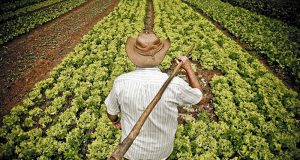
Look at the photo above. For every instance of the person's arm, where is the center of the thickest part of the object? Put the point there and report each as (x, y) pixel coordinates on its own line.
(112, 118)
(193, 80)
(113, 108)
(115, 120)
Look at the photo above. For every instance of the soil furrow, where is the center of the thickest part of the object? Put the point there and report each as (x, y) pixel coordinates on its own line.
(204, 76)
(149, 19)
(38, 51)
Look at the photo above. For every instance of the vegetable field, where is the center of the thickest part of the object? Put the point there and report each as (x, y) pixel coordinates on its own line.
(64, 116)
(15, 23)
(271, 38)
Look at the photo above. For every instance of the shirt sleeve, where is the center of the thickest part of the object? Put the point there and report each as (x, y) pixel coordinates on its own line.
(189, 95)
(111, 101)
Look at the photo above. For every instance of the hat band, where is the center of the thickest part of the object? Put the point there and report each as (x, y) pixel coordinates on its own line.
(150, 52)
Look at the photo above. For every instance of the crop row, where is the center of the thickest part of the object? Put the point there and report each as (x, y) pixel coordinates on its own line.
(284, 10)
(64, 116)
(10, 14)
(23, 24)
(12, 5)
(255, 109)
(271, 38)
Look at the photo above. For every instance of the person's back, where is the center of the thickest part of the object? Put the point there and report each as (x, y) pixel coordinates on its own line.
(131, 94)
(134, 91)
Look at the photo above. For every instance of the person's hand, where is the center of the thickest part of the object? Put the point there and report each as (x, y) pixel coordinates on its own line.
(186, 63)
(117, 125)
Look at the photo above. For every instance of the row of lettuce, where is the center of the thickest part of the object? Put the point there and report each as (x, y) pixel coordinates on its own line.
(24, 10)
(24, 23)
(12, 5)
(64, 116)
(271, 38)
(255, 109)
(287, 11)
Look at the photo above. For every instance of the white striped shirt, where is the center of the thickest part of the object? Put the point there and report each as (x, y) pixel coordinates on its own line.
(131, 94)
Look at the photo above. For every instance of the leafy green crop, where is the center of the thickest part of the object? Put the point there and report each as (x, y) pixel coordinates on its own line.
(255, 110)
(271, 38)
(64, 116)
(12, 5)
(287, 11)
(30, 8)
(24, 23)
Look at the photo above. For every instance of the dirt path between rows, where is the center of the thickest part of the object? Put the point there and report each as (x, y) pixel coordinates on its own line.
(204, 77)
(149, 18)
(28, 59)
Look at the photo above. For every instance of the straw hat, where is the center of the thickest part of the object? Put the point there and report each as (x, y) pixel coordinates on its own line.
(147, 50)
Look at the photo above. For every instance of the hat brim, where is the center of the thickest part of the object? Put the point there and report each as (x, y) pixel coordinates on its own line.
(146, 61)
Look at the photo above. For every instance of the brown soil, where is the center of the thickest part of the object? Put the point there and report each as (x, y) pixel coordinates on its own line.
(149, 19)
(28, 59)
(204, 76)
(286, 79)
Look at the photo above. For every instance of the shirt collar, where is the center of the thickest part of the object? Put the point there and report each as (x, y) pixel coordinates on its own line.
(147, 69)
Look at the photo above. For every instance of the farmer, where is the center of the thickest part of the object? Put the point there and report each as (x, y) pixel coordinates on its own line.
(133, 91)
